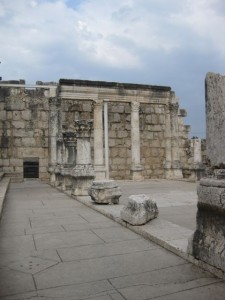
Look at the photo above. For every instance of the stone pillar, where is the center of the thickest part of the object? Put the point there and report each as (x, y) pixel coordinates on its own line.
(208, 242)
(175, 151)
(197, 151)
(98, 141)
(58, 168)
(54, 106)
(136, 168)
(168, 161)
(69, 139)
(83, 173)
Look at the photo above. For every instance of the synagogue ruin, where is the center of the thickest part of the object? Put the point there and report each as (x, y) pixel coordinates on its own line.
(59, 131)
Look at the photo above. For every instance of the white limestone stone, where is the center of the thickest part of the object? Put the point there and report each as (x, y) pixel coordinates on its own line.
(105, 192)
(139, 210)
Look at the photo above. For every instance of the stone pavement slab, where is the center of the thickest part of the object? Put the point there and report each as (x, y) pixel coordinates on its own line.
(69, 251)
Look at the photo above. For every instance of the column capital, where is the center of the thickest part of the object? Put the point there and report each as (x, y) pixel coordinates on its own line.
(97, 103)
(83, 128)
(135, 106)
(54, 102)
(69, 138)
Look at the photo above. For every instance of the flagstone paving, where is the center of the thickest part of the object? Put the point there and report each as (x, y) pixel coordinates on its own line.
(54, 247)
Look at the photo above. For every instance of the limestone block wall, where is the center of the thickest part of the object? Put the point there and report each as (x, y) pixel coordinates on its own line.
(23, 130)
(152, 133)
(152, 141)
(119, 140)
(25, 127)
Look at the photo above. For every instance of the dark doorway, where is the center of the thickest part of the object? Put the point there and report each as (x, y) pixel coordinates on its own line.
(31, 168)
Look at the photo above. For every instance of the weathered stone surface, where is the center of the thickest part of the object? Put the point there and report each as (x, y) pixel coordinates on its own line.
(105, 192)
(208, 241)
(215, 118)
(139, 210)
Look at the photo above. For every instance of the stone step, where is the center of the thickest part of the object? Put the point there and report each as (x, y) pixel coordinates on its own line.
(4, 184)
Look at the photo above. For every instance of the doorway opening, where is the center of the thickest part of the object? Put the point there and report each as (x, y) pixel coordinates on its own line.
(31, 167)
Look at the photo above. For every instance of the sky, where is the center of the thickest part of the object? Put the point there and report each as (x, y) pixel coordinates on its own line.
(158, 42)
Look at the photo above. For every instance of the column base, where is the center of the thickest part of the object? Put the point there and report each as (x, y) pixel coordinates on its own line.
(173, 174)
(100, 172)
(208, 241)
(82, 177)
(136, 173)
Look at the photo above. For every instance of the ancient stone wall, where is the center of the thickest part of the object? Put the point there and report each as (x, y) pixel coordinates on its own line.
(27, 132)
(24, 130)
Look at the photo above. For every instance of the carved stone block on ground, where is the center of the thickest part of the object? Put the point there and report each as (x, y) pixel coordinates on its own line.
(139, 210)
(105, 192)
(208, 241)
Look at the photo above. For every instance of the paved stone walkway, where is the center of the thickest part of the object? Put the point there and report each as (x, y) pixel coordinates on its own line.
(53, 247)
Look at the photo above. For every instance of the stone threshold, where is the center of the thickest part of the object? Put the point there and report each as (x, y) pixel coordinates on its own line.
(165, 234)
(4, 184)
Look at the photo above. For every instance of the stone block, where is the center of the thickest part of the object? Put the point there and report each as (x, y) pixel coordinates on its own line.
(116, 118)
(18, 124)
(26, 115)
(16, 162)
(122, 134)
(16, 115)
(3, 115)
(105, 192)
(139, 210)
(28, 142)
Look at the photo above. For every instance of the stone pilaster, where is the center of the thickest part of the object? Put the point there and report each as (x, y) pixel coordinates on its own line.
(83, 173)
(175, 151)
(136, 168)
(59, 165)
(54, 106)
(168, 161)
(70, 142)
(98, 141)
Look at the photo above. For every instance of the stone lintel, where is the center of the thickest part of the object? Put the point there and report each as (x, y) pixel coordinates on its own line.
(117, 85)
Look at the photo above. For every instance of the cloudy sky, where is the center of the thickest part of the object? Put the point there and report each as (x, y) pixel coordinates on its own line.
(158, 42)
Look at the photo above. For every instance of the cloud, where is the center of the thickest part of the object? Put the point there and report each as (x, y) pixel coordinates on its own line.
(164, 42)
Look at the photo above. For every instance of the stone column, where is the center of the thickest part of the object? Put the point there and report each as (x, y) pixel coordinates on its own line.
(197, 149)
(136, 168)
(54, 106)
(98, 141)
(208, 242)
(83, 173)
(175, 151)
(168, 161)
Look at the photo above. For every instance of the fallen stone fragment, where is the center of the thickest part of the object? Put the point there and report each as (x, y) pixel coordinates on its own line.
(139, 210)
(105, 192)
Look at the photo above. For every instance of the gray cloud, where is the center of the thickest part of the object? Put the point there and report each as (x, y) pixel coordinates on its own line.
(164, 42)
